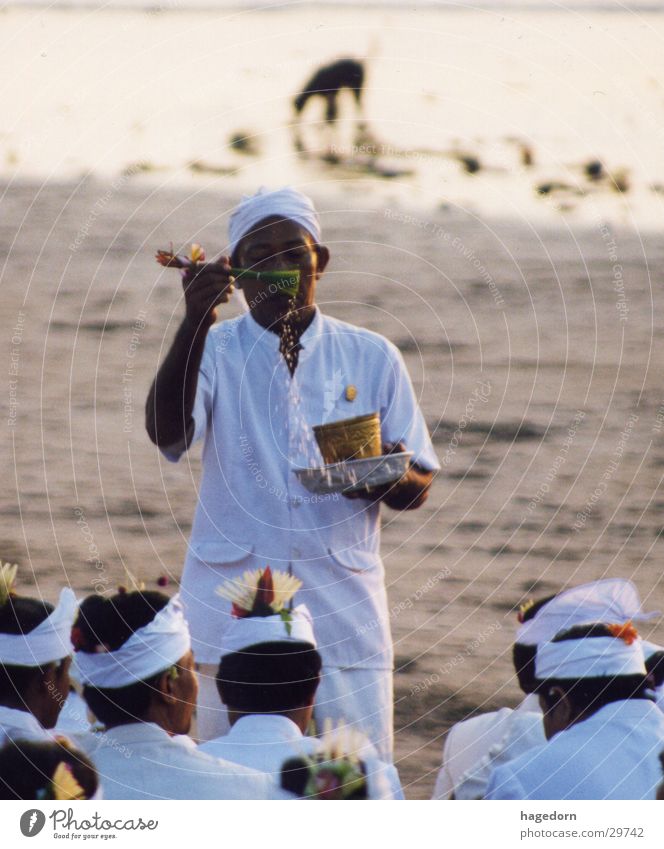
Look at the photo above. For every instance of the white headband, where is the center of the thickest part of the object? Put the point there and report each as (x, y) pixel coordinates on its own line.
(150, 649)
(589, 657)
(649, 649)
(285, 203)
(48, 642)
(609, 600)
(251, 630)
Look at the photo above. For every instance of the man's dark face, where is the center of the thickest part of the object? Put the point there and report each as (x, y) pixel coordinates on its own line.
(280, 245)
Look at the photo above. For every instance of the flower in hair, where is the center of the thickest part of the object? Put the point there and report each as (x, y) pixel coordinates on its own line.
(626, 632)
(260, 593)
(335, 772)
(524, 608)
(63, 786)
(7, 581)
(77, 638)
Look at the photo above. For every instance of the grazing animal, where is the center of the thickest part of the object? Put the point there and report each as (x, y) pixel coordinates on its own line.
(328, 81)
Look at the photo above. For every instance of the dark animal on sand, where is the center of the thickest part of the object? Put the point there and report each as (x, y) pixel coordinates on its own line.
(328, 81)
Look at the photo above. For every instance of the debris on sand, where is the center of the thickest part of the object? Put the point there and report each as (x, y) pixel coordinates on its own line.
(471, 164)
(196, 166)
(594, 170)
(244, 142)
(527, 156)
(619, 181)
(556, 186)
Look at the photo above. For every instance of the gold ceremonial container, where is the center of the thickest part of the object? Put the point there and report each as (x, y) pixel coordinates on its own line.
(349, 439)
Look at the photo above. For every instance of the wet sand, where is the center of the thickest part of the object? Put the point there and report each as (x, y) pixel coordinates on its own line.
(534, 352)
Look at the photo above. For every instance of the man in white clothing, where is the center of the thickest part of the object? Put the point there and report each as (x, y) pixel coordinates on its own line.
(475, 747)
(604, 733)
(35, 654)
(133, 655)
(254, 397)
(268, 677)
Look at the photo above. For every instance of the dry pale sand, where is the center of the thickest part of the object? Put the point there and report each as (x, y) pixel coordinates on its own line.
(540, 346)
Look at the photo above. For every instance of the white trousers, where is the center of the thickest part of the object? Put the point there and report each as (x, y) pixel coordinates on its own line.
(360, 697)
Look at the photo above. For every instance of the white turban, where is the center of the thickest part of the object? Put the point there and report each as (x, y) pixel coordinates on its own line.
(251, 630)
(48, 642)
(589, 657)
(149, 650)
(284, 203)
(649, 649)
(609, 600)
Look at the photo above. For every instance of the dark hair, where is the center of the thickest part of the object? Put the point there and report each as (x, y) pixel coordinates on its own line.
(110, 622)
(295, 775)
(523, 655)
(20, 615)
(269, 677)
(26, 768)
(588, 695)
(655, 667)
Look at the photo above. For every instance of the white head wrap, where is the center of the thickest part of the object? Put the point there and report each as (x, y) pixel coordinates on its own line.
(285, 203)
(649, 649)
(251, 630)
(149, 650)
(48, 642)
(589, 657)
(609, 600)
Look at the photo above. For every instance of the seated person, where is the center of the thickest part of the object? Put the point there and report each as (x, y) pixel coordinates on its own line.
(475, 747)
(46, 771)
(604, 733)
(35, 654)
(268, 677)
(133, 655)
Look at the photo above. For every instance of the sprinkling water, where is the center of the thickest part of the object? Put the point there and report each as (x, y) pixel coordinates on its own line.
(302, 445)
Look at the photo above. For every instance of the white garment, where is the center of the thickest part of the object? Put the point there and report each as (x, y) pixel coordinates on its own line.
(74, 716)
(252, 509)
(614, 754)
(21, 725)
(359, 697)
(468, 745)
(141, 761)
(265, 742)
(523, 730)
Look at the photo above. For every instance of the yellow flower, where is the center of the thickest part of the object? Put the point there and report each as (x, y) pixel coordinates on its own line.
(242, 591)
(65, 786)
(197, 254)
(7, 580)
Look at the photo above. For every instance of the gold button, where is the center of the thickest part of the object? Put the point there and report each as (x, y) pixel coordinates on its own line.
(351, 393)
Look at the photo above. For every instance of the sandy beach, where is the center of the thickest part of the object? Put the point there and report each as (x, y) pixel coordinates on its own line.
(531, 323)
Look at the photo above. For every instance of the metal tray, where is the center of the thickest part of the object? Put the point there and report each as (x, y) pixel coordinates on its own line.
(355, 474)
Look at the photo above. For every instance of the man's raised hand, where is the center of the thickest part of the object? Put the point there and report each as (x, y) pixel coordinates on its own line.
(206, 285)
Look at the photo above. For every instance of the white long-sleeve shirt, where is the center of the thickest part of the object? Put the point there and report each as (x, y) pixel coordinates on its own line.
(21, 725)
(264, 742)
(256, 423)
(474, 747)
(141, 761)
(614, 754)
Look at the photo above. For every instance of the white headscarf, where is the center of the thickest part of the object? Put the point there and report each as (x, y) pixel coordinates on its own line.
(285, 203)
(251, 630)
(48, 642)
(609, 600)
(149, 650)
(589, 657)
